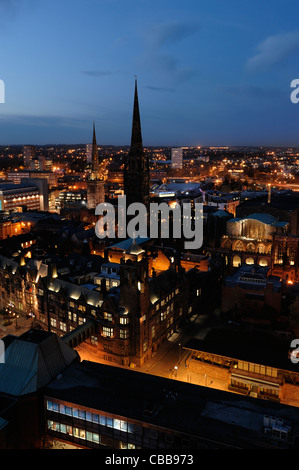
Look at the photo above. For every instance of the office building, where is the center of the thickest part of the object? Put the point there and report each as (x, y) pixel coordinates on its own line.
(28, 155)
(177, 158)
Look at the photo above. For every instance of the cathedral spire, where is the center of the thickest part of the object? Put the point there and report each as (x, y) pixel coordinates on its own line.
(136, 138)
(136, 170)
(95, 156)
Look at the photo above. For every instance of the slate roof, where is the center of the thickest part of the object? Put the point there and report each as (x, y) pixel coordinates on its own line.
(32, 361)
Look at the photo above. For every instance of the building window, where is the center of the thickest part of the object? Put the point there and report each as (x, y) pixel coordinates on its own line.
(124, 320)
(53, 322)
(108, 316)
(79, 433)
(62, 326)
(107, 331)
(93, 437)
(53, 425)
(236, 261)
(124, 334)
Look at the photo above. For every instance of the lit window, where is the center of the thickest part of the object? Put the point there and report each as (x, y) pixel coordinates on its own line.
(107, 316)
(123, 334)
(124, 320)
(107, 331)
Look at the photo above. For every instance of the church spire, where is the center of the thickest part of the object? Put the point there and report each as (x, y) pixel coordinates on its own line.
(95, 156)
(136, 138)
(136, 170)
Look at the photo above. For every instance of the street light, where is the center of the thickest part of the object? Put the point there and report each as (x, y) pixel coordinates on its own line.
(176, 370)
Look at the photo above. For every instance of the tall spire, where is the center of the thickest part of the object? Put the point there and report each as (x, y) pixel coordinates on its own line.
(136, 170)
(95, 156)
(136, 138)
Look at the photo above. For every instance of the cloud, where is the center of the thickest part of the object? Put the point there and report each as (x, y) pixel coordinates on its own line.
(171, 33)
(96, 73)
(273, 50)
(159, 55)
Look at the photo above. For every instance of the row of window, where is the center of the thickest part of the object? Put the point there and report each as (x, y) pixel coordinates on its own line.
(257, 368)
(92, 417)
(83, 434)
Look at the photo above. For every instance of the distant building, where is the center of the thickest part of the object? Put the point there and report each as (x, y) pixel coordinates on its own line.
(32, 195)
(17, 176)
(88, 153)
(252, 294)
(28, 155)
(177, 158)
(224, 202)
(95, 185)
(249, 239)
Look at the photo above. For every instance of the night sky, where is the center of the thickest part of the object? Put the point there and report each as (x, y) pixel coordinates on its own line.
(210, 72)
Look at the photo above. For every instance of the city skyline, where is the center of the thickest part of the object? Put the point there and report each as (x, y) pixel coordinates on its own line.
(208, 74)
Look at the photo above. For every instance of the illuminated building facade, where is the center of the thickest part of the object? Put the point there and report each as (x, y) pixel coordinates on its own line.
(249, 240)
(177, 158)
(14, 196)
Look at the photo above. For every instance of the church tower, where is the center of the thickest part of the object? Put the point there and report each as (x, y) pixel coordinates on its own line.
(136, 171)
(95, 185)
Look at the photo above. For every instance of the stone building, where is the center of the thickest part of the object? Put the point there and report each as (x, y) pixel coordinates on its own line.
(249, 240)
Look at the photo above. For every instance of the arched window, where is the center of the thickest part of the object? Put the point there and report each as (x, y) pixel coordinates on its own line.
(236, 261)
(249, 260)
(263, 262)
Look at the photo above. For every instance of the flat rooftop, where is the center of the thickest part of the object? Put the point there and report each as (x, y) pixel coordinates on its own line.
(258, 347)
(176, 405)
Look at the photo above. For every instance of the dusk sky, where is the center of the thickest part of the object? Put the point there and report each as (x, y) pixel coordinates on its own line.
(210, 72)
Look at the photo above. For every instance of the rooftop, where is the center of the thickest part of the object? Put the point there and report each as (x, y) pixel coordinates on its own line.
(258, 347)
(170, 404)
(32, 361)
